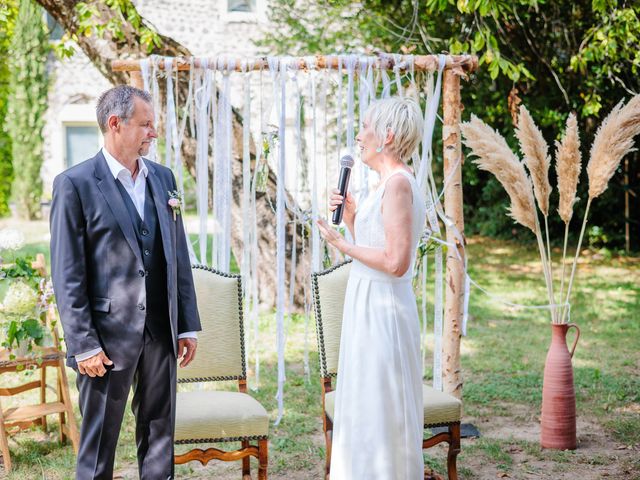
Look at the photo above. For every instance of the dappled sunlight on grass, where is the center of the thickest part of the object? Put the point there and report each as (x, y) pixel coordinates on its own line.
(468, 347)
(582, 362)
(510, 345)
(502, 360)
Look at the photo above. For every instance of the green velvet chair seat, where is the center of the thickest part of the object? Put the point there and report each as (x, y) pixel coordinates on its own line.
(216, 416)
(439, 408)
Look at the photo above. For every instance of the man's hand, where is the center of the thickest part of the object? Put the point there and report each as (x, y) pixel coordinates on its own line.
(187, 350)
(94, 366)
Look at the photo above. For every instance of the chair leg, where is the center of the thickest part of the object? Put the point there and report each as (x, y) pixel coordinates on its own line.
(61, 417)
(43, 394)
(4, 445)
(70, 419)
(246, 462)
(263, 458)
(454, 450)
(328, 438)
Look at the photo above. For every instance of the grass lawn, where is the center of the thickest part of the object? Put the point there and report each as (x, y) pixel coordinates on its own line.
(503, 360)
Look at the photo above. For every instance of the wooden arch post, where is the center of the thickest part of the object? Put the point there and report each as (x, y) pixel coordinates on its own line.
(135, 78)
(453, 202)
(456, 66)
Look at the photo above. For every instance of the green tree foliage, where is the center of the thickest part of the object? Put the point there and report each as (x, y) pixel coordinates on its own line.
(8, 12)
(27, 105)
(91, 21)
(556, 56)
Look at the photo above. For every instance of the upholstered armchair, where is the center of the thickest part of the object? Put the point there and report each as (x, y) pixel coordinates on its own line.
(210, 416)
(440, 409)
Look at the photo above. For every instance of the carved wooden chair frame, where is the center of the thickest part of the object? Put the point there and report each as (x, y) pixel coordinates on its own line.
(259, 449)
(451, 436)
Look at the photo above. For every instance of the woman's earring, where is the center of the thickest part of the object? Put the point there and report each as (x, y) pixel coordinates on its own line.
(379, 149)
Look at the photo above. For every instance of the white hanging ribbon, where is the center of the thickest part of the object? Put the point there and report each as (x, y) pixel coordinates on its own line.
(339, 119)
(339, 130)
(228, 180)
(173, 135)
(465, 304)
(292, 73)
(350, 62)
(246, 178)
(155, 94)
(219, 159)
(386, 84)
(431, 110)
(171, 127)
(315, 233)
(326, 78)
(397, 66)
(149, 81)
(254, 320)
(216, 148)
(192, 100)
(202, 101)
(245, 266)
(438, 321)
(222, 170)
(278, 68)
(173, 138)
(183, 124)
(144, 72)
(364, 92)
(412, 77)
(423, 310)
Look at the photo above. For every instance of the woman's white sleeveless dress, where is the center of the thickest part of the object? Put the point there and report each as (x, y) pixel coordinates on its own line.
(378, 420)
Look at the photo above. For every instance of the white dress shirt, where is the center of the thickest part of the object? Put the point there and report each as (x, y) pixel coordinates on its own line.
(137, 190)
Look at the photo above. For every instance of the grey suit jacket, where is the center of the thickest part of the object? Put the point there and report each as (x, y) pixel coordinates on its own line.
(96, 260)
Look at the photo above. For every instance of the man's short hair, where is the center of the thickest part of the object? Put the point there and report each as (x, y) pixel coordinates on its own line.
(118, 101)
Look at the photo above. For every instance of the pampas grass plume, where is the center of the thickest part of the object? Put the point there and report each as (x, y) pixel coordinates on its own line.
(568, 168)
(495, 156)
(536, 157)
(613, 141)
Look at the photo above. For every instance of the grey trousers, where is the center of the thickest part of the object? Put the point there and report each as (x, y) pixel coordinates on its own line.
(102, 404)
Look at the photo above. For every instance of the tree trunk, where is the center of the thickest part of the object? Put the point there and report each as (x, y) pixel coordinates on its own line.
(101, 51)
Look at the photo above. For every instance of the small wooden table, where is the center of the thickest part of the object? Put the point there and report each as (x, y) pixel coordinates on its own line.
(18, 418)
(24, 416)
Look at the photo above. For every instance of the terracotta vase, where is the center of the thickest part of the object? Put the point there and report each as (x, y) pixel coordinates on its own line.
(558, 429)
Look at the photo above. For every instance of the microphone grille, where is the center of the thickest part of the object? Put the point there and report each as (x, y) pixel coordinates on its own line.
(347, 161)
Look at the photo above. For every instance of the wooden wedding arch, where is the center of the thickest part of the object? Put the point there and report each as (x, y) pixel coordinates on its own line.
(455, 68)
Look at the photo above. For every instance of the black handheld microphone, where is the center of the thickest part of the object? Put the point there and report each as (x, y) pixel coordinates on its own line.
(346, 163)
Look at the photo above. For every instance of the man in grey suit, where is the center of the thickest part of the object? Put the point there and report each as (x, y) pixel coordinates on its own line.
(124, 289)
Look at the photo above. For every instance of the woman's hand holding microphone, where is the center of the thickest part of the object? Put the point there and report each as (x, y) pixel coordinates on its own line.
(348, 217)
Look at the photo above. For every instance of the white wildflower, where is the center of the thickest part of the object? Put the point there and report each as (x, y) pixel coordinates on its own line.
(20, 299)
(11, 239)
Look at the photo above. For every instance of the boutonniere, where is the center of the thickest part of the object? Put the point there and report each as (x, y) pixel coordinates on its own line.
(175, 202)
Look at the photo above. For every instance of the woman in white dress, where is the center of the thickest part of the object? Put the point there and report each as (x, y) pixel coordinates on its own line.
(378, 420)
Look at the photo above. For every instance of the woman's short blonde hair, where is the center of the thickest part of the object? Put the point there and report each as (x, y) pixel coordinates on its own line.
(400, 116)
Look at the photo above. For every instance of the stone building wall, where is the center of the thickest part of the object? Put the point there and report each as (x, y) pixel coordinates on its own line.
(203, 26)
(75, 88)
